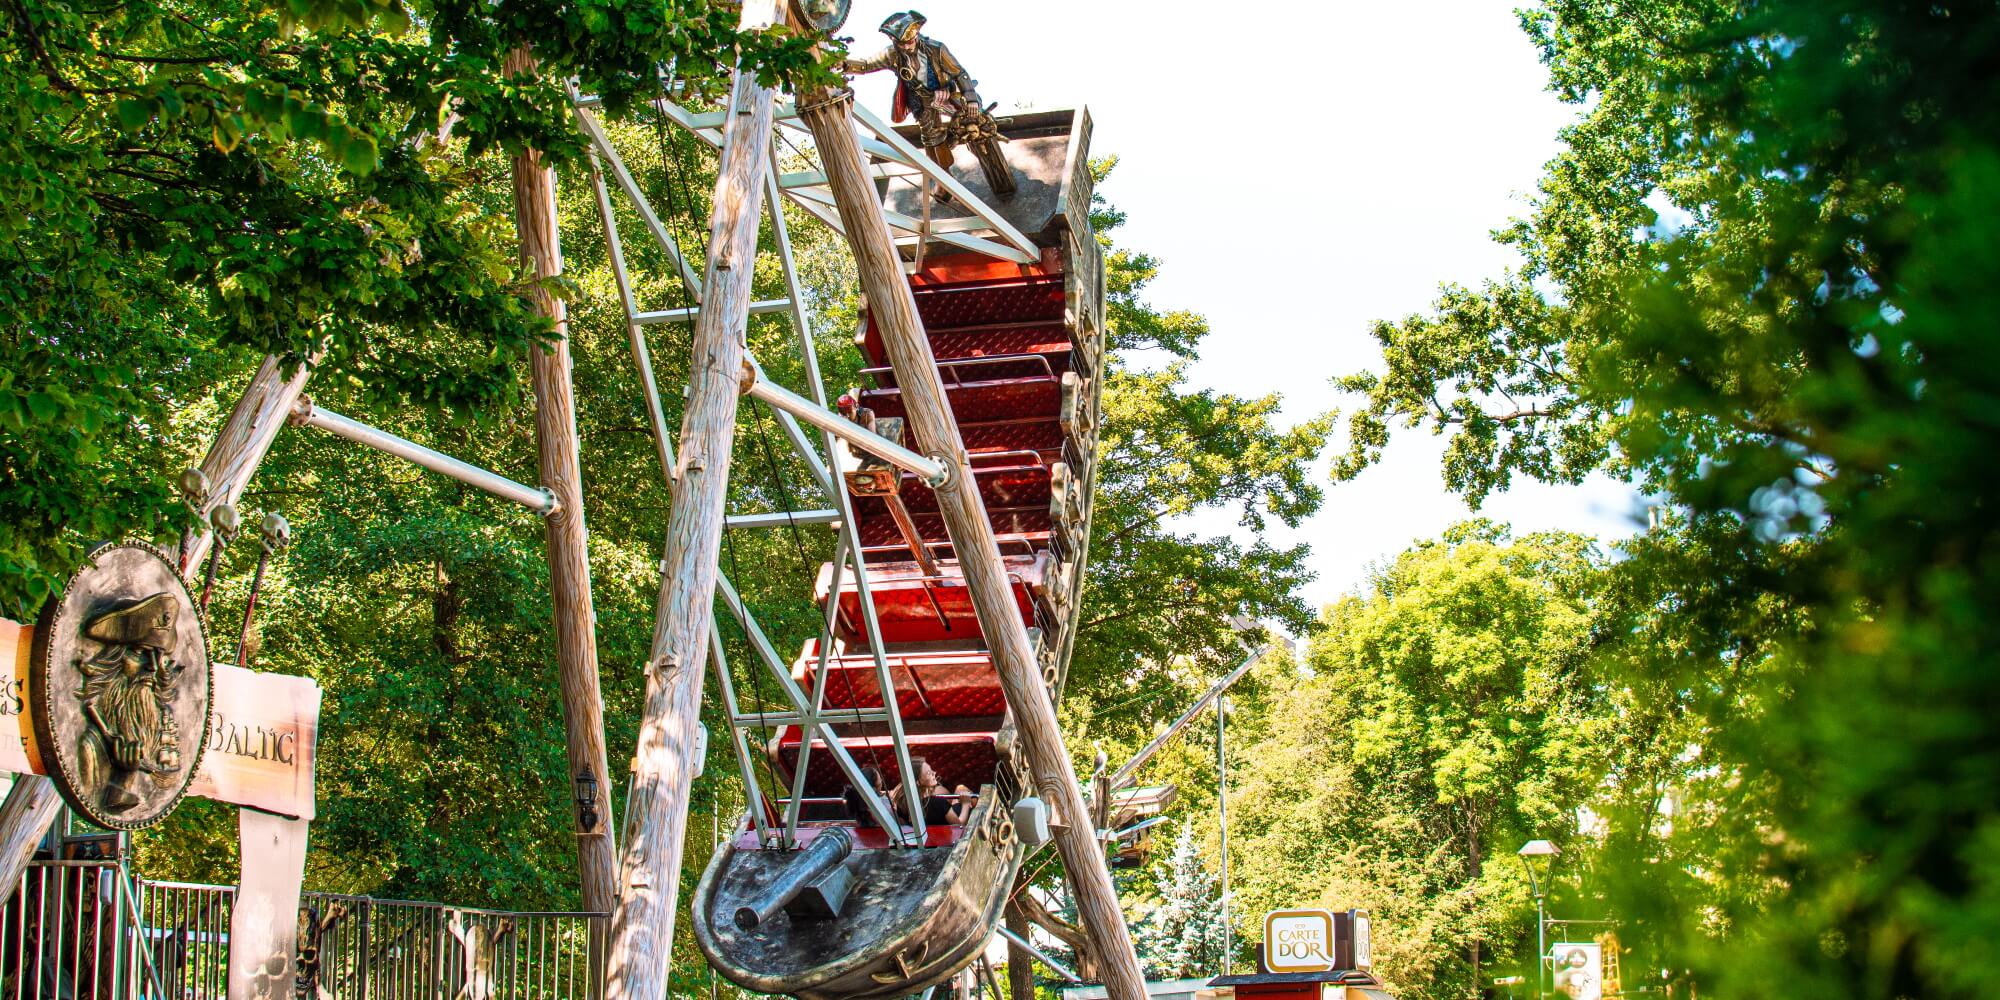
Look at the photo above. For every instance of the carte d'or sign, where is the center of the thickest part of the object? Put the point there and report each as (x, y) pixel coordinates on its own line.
(1298, 941)
(119, 687)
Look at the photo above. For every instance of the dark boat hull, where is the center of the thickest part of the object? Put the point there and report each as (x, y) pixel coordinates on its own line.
(915, 916)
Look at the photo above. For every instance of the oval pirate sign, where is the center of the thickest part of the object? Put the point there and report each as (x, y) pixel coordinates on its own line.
(120, 680)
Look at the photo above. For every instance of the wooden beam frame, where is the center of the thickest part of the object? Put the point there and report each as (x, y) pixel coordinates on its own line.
(930, 418)
(642, 923)
(560, 465)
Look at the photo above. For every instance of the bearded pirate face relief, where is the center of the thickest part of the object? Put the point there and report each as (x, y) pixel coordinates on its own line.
(122, 688)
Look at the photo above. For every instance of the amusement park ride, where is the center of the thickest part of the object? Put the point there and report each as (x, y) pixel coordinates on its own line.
(959, 485)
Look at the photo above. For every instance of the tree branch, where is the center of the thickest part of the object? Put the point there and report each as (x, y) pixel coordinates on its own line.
(41, 53)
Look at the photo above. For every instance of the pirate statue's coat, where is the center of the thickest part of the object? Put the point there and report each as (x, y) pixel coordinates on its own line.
(934, 85)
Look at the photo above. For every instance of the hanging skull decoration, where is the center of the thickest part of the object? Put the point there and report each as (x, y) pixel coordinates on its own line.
(122, 688)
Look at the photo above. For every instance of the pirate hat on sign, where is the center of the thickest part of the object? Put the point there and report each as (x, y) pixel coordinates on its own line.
(902, 26)
(148, 623)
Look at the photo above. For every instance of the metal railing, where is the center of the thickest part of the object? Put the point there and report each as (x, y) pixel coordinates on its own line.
(87, 929)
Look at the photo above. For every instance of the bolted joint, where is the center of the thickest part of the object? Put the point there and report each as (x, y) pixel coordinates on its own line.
(551, 504)
(947, 475)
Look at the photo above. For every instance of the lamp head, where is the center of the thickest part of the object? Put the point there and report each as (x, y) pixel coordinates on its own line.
(1538, 849)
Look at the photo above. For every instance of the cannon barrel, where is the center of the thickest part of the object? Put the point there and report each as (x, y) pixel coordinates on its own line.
(820, 858)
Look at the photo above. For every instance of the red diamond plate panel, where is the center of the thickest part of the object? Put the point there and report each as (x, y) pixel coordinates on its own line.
(959, 759)
(1000, 399)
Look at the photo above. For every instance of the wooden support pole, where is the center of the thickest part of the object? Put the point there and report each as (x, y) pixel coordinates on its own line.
(642, 924)
(242, 443)
(32, 803)
(1020, 964)
(568, 538)
(964, 515)
(31, 806)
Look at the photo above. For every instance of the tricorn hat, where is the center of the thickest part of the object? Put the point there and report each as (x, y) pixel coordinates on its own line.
(148, 623)
(903, 25)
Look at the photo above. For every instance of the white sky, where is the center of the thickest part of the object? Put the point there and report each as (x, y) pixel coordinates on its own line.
(1302, 168)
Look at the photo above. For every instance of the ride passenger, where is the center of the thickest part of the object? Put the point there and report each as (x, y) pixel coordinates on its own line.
(939, 809)
(857, 805)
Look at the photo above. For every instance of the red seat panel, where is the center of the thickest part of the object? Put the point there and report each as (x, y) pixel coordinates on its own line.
(913, 609)
(929, 685)
(991, 399)
(967, 759)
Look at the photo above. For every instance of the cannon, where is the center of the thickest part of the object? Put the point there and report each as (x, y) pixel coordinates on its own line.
(812, 884)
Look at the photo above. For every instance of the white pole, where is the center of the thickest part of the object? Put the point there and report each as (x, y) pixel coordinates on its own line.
(1222, 812)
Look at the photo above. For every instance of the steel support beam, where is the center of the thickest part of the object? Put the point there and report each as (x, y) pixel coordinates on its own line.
(930, 470)
(780, 519)
(536, 498)
(657, 317)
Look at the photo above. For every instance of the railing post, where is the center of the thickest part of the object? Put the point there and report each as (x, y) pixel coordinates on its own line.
(364, 965)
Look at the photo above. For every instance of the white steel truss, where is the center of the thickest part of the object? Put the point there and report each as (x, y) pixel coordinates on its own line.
(985, 231)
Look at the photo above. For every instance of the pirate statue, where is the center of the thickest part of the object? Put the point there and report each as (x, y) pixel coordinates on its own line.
(932, 83)
(128, 690)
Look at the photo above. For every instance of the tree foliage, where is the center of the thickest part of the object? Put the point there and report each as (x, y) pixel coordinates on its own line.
(1160, 602)
(1756, 283)
(1444, 716)
(1181, 936)
(192, 184)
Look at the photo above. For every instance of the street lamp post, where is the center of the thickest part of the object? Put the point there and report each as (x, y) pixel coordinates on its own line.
(1529, 852)
(1222, 821)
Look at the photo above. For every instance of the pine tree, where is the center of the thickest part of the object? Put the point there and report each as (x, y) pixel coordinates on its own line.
(1182, 936)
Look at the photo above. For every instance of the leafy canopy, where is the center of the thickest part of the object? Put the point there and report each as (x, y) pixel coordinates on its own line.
(188, 183)
(1757, 283)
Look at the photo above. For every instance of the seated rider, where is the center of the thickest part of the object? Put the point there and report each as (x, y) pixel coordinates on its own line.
(857, 807)
(939, 808)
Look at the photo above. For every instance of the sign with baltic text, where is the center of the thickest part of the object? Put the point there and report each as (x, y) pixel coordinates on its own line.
(261, 741)
(262, 732)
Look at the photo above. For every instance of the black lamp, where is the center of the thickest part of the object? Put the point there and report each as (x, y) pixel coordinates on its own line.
(586, 800)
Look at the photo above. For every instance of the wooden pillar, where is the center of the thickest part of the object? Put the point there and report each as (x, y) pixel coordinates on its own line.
(30, 807)
(242, 443)
(32, 803)
(1020, 964)
(568, 540)
(964, 515)
(642, 924)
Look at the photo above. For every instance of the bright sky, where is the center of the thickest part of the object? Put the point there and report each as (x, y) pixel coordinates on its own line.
(1302, 168)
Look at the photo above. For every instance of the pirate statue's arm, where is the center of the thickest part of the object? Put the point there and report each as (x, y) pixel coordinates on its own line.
(870, 64)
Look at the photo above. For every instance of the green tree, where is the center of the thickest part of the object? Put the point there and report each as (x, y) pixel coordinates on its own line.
(1445, 716)
(1181, 936)
(1756, 284)
(191, 185)
(1159, 603)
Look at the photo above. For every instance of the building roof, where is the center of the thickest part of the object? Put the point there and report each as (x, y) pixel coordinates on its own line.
(1345, 977)
(1154, 988)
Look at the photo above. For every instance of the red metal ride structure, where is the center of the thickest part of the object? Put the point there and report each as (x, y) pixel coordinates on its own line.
(1018, 346)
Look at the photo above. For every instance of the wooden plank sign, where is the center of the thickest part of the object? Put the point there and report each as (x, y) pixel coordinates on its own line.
(263, 730)
(17, 752)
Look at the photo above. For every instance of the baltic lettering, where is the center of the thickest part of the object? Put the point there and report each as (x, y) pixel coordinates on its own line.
(254, 742)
